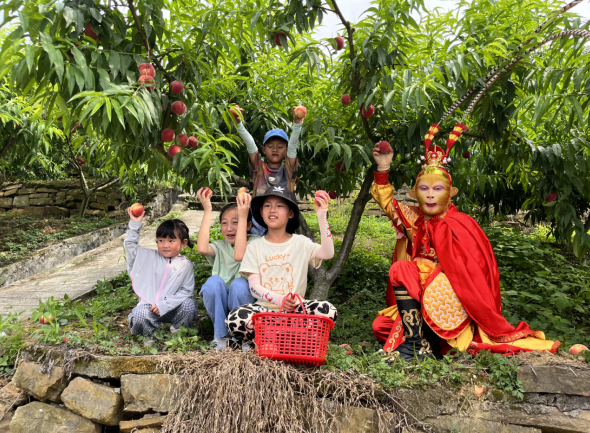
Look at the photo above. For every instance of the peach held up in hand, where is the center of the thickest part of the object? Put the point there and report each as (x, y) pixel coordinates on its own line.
(321, 200)
(136, 212)
(383, 154)
(236, 112)
(204, 195)
(299, 113)
(243, 200)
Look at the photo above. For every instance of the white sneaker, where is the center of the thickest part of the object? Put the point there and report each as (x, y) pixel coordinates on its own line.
(245, 347)
(219, 343)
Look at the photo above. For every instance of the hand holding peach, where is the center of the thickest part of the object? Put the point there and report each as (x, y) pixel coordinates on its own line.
(237, 112)
(204, 195)
(383, 160)
(321, 200)
(136, 212)
(299, 113)
(243, 200)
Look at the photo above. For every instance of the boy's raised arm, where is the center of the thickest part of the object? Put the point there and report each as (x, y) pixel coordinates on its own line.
(247, 138)
(243, 199)
(294, 138)
(203, 246)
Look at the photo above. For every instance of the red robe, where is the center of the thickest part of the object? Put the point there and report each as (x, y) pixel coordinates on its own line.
(467, 259)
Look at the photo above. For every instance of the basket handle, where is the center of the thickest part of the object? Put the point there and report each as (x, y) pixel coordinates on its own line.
(293, 295)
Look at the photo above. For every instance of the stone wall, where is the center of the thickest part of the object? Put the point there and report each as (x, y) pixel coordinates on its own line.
(161, 202)
(56, 198)
(130, 393)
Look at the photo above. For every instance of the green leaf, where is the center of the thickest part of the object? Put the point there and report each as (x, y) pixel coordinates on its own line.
(30, 51)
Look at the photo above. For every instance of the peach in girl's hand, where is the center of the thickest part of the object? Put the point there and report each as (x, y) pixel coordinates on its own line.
(319, 196)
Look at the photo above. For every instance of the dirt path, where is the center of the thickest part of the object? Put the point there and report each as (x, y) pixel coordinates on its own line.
(77, 277)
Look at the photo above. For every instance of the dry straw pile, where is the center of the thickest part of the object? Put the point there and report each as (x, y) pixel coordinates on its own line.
(230, 391)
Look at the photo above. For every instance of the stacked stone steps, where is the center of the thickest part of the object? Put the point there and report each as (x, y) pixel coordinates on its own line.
(125, 390)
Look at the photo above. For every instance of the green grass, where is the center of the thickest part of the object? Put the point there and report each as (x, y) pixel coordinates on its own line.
(23, 236)
(541, 284)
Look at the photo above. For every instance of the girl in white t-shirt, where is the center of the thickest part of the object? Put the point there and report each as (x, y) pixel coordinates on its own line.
(225, 289)
(276, 264)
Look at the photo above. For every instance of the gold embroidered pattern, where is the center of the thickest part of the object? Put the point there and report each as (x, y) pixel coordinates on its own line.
(403, 298)
(443, 305)
(412, 318)
(410, 213)
(425, 349)
(398, 330)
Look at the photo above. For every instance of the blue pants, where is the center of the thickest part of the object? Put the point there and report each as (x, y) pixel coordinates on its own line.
(219, 300)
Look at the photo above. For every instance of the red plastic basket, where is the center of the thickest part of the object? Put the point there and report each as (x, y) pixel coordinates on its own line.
(292, 337)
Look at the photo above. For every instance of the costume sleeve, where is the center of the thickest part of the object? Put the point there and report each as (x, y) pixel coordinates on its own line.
(247, 138)
(186, 290)
(326, 250)
(131, 243)
(382, 191)
(262, 294)
(294, 140)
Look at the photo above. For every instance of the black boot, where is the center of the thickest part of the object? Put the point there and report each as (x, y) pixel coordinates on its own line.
(416, 345)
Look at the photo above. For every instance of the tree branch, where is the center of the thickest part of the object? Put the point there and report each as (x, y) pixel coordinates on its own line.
(8, 143)
(146, 42)
(353, 224)
(355, 78)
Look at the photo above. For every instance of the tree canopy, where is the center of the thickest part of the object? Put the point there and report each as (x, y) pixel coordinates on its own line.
(73, 67)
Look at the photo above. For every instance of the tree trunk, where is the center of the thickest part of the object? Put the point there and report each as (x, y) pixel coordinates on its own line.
(323, 278)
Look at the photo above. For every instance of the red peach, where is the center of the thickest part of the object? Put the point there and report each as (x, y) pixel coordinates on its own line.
(577, 348)
(466, 154)
(332, 194)
(147, 69)
(137, 209)
(340, 166)
(64, 340)
(300, 111)
(173, 150)
(193, 142)
(551, 197)
(49, 319)
(236, 111)
(369, 112)
(89, 32)
(178, 107)
(148, 82)
(167, 135)
(339, 42)
(345, 99)
(384, 147)
(278, 38)
(183, 140)
(176, 87)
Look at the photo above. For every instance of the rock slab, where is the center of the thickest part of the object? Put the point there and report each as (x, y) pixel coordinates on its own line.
(447, 423)
(39, 417)
(555, 379)
(98, 403)
(148, 392)
(11, 397)
(42, 386)
(147, 422)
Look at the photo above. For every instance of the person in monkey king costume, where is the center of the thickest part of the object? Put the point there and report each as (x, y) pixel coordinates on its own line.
(444, 275)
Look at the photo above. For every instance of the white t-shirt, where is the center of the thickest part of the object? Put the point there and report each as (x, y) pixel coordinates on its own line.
(282, 267)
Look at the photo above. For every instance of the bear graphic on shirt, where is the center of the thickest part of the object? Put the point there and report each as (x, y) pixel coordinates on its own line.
(278, 278)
